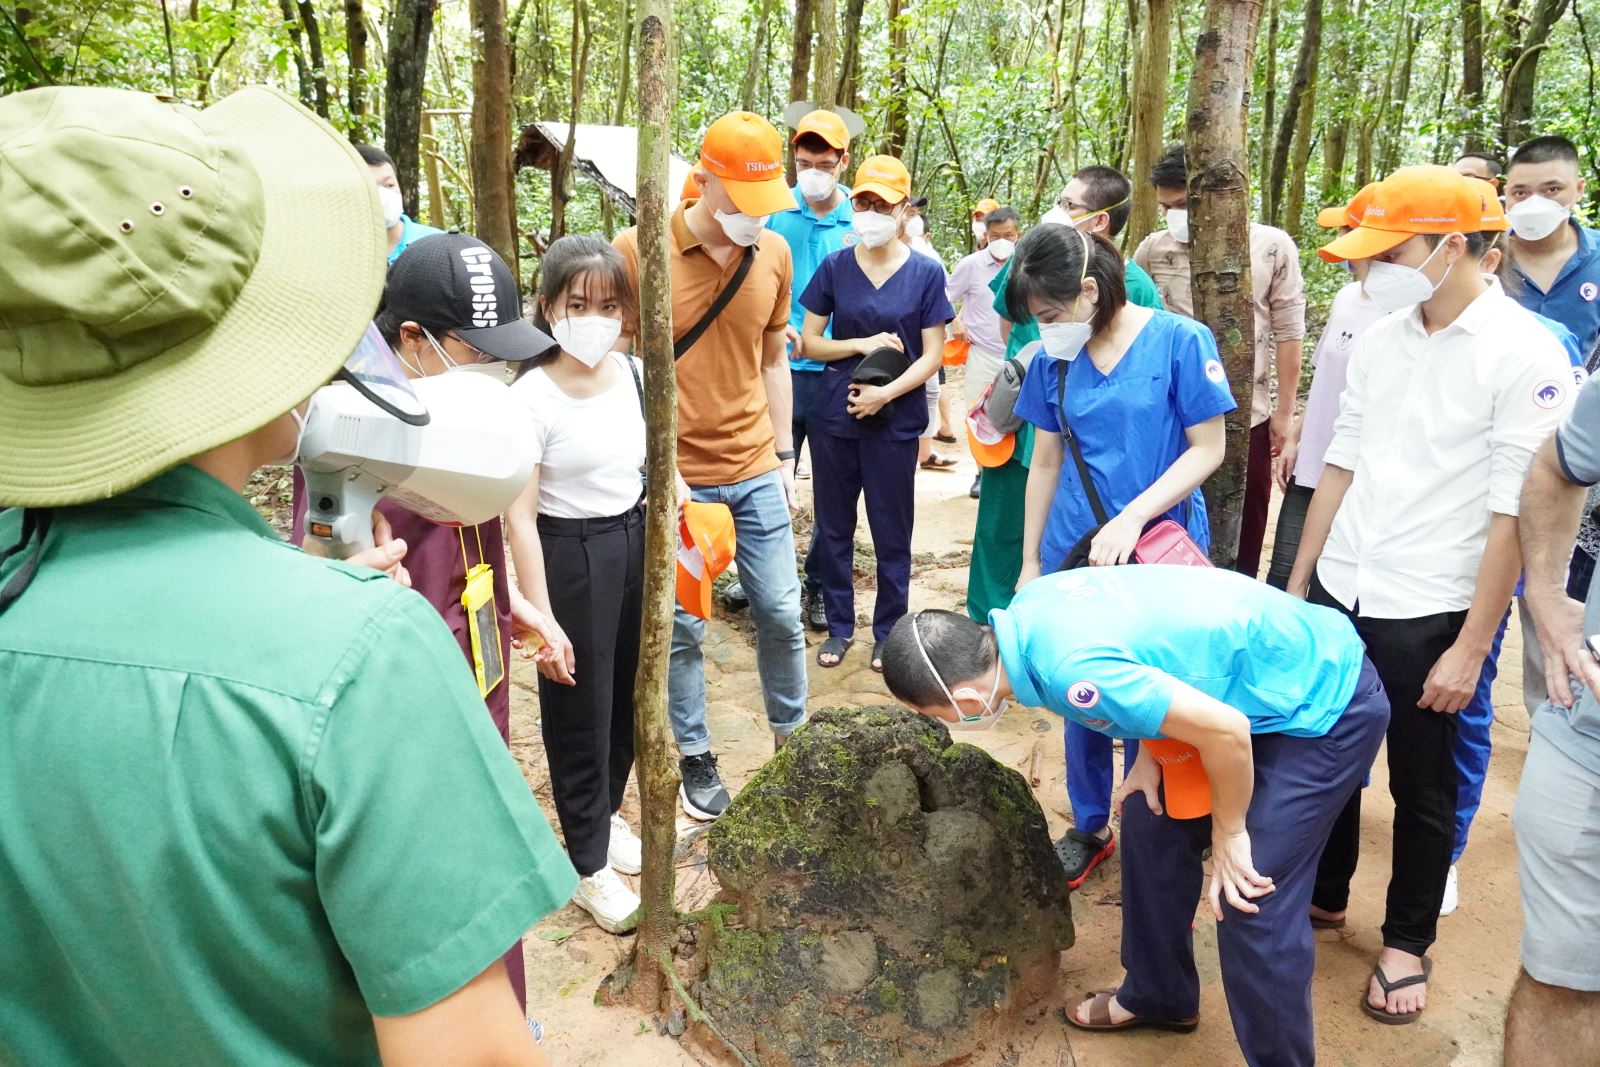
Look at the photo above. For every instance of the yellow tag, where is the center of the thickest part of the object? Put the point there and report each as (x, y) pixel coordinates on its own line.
(483, 624)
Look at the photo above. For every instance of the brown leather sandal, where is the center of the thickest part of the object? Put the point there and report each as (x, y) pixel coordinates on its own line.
(1100, 1018)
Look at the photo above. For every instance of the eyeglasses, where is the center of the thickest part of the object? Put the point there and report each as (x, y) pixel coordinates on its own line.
(478, 354)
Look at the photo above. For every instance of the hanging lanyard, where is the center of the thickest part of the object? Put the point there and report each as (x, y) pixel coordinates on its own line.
(483, 618)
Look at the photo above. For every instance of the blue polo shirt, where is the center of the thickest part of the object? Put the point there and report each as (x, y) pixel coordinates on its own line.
(411, 230)
(1102, 646)
(811, 240)
(1574, 298)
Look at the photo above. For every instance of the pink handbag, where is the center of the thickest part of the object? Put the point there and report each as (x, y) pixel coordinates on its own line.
(1167, 542)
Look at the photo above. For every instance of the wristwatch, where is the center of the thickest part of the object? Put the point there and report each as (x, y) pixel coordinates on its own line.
(786, 454)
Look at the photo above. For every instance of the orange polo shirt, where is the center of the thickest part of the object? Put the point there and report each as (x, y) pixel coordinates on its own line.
(724, 429)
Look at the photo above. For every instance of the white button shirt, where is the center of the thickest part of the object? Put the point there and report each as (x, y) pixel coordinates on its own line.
(1439, 431)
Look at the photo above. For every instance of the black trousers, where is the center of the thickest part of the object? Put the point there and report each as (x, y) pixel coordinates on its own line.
(1286, 542)
(595, 571)
(1422, 780)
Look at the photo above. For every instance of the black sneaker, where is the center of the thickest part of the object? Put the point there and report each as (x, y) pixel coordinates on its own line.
(701, 792)
(977, 485)
(812, 610)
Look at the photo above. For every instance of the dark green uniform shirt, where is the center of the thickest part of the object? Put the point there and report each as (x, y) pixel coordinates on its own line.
(248, 797)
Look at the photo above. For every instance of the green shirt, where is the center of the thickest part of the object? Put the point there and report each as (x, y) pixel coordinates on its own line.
(250, 797)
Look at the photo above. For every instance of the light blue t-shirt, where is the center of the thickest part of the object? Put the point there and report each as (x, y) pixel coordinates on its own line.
(1102, 645)
(1576, 730)
(411, 230)
(811, 240)
(1129, 424)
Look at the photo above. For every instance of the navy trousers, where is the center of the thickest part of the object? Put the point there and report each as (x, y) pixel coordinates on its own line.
(1089, 775)
(807, 385)
(842, 469)
(1301, 785)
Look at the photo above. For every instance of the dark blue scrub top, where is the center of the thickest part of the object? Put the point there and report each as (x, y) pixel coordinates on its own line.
(911, 300)
(1129, 424)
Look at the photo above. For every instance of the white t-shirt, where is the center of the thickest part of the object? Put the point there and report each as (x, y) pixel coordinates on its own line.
(589, 452)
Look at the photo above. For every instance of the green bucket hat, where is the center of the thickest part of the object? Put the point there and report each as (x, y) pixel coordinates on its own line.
(170, 279)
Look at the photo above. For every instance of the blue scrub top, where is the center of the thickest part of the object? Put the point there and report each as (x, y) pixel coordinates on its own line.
(1574, 298)
(1102, 645)
(908, 303)
(410, 230)
(811, 240)
(1129, 424)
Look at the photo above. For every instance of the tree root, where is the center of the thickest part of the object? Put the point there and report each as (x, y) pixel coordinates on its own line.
(696, 1013)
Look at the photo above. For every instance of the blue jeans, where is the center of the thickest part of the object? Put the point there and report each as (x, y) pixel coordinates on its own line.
(765, 554)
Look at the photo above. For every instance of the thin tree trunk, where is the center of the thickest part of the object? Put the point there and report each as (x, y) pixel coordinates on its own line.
(1294, 194)
(561, 176)
(800, 58)
(1394, 119)
(409, 32)
(619, 113)
(825, 62)
(1152, 73)
(1296, 112)
(319, 68)
(758, 52)
(1338, 104)
(1516, 107)
(894, 120)
(1041, 170)
(494, 203)
(658, 784)
(1219, 255)
(355, 37)
(850, 66)
(438, 206)
(1472, 74)
(1269, 105)
(291, 23)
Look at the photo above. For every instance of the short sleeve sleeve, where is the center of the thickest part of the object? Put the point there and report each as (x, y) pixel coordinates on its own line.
(424, 888)
(818, 297)
(1288, 295)
(936, 307)
(781, 303)
(1037, 401)
(1199, 381)
(1578, 439)
(1345, 448)
(1106, 689)
(627, 245)
(1141, 255)
(1532, 395)
(997, 285)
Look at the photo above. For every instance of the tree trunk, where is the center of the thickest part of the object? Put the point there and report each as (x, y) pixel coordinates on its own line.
(1338, 104)
(438, 206)
(1294, 195)
(619, 112)
(561, 176)
(1472, 74)
(355, 36)
(1296, 112)
(1394, 119)
(800, 58)
(658, 783)
(1219, 256)
(850, 66)
(1152, 73)
(825, 65)
(758, 52)
(1269, 106)
(493, 194)
(1516, 104)
(410, 28)
(319, 68)
(894, 112)
(291, 23)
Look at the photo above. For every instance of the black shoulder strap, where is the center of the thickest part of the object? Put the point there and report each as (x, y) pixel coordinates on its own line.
(1077, 453)
(35, 526)
(724, 298)
(638, 384)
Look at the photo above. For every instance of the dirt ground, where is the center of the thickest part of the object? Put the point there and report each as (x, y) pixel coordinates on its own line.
(1476, 956)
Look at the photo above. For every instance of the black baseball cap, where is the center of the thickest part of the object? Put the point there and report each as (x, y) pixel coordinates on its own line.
(918, 201)
(456, 281)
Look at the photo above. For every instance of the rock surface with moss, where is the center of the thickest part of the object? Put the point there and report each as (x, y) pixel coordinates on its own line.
(896, 896)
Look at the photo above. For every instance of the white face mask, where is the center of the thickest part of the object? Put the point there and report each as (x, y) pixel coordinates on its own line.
(742, 229)
(394, 204)
(1537, 217)
(992, 708)
(1393, 286)
(586, 338)
(1057, 216)
(1178, 225)
(915, 227)
(299, 435)
(1001, 248)
(875, 230)
(1064, 340)
(816, 185)
(978, 230)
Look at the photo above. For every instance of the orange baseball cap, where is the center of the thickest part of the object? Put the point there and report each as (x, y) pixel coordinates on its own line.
(1494, 212)
(705, 548)
(691, 188)
(826, 125)
(990, 447)
(1413, 200)
(985, 206)
(1350, 214)
(956, 351)
(746, 152)
(1184, 783)
(883, 176)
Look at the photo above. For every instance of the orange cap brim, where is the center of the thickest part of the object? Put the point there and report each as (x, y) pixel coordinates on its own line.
(766, 197)
(830, 136)
(694, 594)
(991, 455)
(1331, 218)
(890, 196)
(1363, 242)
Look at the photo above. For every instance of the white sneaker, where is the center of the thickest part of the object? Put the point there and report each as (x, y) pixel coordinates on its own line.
(1452, 893)
(625, 853)
(606, 897)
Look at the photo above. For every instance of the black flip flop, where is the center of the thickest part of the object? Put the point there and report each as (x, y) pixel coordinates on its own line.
(1388, 987)
(834, 646)
(1100, 1018)
(938, 463)
(948, 439)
